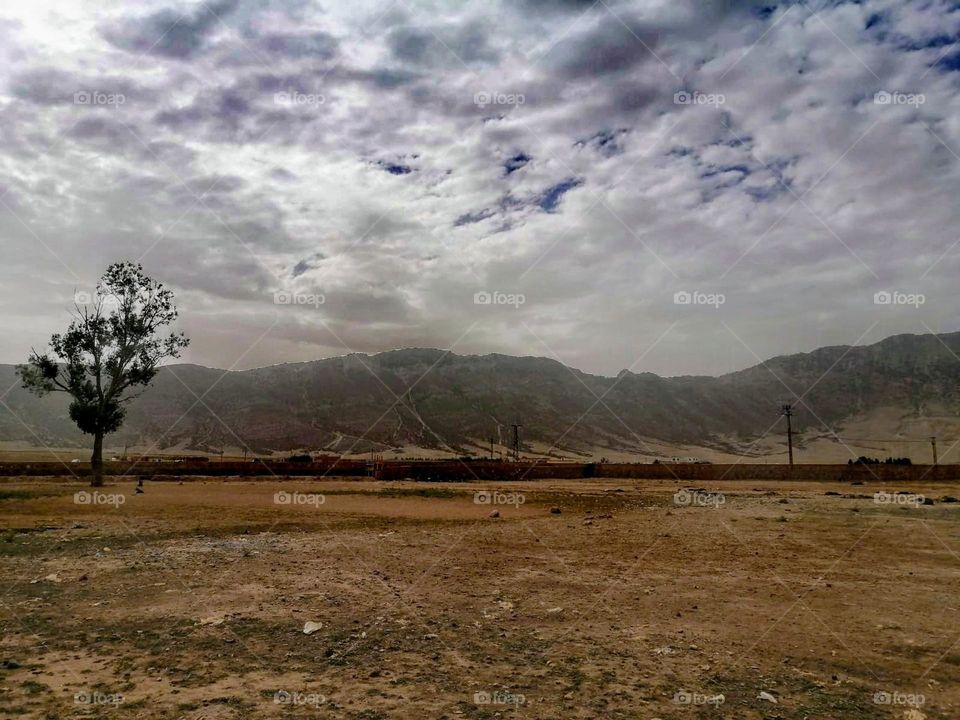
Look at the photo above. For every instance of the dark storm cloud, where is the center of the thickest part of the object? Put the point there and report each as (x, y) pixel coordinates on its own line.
(556, 5)
(611, 46)
(282, 174)
(104, 133)
(380, 78)
(306, 264)
(53, 86)
(474, 217)
(246, 111)
(317, 46)
(468, 43)
(170, 33)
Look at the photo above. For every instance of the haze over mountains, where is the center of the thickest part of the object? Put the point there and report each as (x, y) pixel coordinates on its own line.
(432, 399)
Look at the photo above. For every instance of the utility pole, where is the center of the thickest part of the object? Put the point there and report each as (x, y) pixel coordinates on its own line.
(787, 412)
(516, 441)
(933, 445)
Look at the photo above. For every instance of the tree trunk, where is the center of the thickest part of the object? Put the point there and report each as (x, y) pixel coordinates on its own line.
(96, 461)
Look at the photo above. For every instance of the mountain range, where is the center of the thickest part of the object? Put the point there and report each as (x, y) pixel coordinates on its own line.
(428, 399)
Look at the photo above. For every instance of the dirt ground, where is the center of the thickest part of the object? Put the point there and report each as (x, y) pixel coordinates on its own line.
(759, 601)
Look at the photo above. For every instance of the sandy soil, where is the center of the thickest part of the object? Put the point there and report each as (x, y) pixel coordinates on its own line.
(885, 432)
(189, 601)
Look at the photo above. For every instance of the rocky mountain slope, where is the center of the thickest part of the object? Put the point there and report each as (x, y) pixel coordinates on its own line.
(432, 399)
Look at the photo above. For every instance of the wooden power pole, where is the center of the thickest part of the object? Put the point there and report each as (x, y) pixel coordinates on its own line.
(516, 441)
(787, 412)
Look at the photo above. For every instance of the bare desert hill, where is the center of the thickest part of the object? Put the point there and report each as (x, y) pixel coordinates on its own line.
(883, 399)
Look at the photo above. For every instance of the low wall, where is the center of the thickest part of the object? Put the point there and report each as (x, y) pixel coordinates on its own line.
(454, 471)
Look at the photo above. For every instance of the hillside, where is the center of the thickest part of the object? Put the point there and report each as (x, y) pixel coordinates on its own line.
(426, 398)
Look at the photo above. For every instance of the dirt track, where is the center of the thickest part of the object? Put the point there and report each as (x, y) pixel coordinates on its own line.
(189, 601)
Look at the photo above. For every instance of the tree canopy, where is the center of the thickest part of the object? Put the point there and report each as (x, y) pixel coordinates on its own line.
(113, 346)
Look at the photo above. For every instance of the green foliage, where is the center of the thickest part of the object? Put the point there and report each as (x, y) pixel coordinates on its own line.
(112, 346)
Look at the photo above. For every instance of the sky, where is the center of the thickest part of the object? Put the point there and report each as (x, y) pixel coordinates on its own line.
(672, 186)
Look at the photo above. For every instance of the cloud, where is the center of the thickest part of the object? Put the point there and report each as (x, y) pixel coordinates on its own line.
(399, 160)
(430, 46)
(170, 33)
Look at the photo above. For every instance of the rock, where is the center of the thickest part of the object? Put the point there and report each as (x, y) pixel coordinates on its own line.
(310, 627)
(212, 620)
(430, 636)
(948, 499)
(554, 610)
(53, 577)
(767, 696)
(494, 514)
(928, 501)
(555, 510)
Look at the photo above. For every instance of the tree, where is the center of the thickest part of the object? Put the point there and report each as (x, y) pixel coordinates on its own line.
(112, 347)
